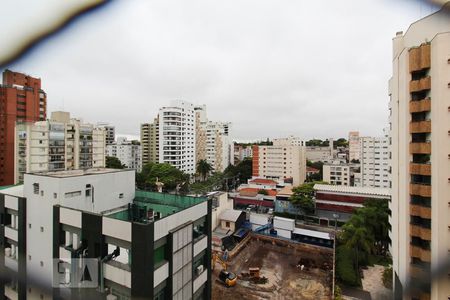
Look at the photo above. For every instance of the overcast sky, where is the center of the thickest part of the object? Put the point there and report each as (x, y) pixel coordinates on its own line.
(272, 68)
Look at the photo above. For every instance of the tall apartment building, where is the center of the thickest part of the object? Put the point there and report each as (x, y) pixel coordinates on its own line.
(110, 132)
(283, 160)
(128, 152)
(374, 162)
(177, 135)
(60, 143)
(420, 125)
(133, 244)
(242, 152)
(213, 141)
(150, 142)
(354, 150)
(21, 100)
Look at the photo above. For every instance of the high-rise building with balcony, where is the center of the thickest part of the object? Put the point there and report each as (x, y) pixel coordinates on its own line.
(420, 132)
(60, 143)
(21, 100)
(177, 135)
(213, 141)
(110, 131)
(150, 142)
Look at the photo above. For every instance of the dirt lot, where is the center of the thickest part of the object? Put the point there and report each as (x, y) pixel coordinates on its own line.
(279, 265)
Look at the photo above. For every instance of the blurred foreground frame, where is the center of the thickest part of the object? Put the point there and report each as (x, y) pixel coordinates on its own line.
(9, 55)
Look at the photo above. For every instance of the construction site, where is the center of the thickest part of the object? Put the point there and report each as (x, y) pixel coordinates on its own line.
(264, 267)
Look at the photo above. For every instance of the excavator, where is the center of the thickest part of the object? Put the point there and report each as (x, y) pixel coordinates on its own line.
(226, 277)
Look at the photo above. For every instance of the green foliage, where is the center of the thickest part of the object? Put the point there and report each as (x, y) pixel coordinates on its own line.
(341, 142)
(213, 183)
(316, 165)
(317, 143)
(204, 168)
(114, 163)
(263, 192)
(387, 277)
(337, 293)
(345, 269)
(243, 169)
(165, 173)
(302, 197)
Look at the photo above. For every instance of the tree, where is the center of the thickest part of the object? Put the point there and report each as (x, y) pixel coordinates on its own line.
(203, 168)
(114, 163)
(357, 237)
(341, 142)
(263, 192)
(165, 173)
(243, 169)
(302, 197)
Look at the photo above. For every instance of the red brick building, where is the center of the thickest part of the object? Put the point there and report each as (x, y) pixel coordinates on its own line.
(21, 100)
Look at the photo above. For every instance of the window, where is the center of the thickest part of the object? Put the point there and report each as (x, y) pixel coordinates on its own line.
(42, 229)
(227, 224)
(29, 225)
(72, 194)
(36, 188)
(29, 257)
(42, 193)
(42, 263)
(121, 195)
(55, 195)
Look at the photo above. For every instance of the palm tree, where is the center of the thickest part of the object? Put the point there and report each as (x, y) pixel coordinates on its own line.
(356, 236)
(203, 168)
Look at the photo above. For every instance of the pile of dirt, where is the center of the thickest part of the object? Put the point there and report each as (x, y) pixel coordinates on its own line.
(310, 289)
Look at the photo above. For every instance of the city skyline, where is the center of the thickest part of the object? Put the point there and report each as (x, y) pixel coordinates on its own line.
(230, 66)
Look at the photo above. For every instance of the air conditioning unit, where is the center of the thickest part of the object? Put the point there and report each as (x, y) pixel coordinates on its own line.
(199, 270)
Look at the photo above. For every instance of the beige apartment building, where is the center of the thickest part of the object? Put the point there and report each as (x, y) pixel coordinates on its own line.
(285, 159)
(60, 143)
(150, 142)
(420, 135)
(354, 147)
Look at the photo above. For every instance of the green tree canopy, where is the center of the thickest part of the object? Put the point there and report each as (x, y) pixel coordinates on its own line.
(113, 162)
(243, 169)
(165, 173)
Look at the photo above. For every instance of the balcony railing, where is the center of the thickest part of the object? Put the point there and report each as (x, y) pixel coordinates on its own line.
(419, 58)
(420, 169)
(420, 85)
(422, 254)
(420, 148)
(419, 231)
(420, 189)
(420, 106)
(420, 127)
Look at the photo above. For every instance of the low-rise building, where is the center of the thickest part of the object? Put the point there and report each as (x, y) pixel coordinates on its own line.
(338, 174)
(57, 224)
(232, 219)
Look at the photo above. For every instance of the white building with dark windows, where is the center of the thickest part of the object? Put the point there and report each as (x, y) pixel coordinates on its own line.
(177, 135)
(134, 244)
(128, 152)
(374, 161)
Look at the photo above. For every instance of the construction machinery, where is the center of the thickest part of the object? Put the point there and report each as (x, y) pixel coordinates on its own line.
(226, 277)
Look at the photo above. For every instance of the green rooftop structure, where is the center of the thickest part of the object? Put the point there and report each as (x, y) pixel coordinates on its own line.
(159, 205)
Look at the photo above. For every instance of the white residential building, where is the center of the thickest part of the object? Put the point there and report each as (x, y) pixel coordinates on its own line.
(128, 152)
(339, 174)
(284, 160)
(374, 161)
(60, 143)
(354, 150)
(177, 135)
(420, 122)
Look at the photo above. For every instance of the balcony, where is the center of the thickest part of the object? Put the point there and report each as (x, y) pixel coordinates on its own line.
(420, 106)
(420, 190)
(423, 84)
(419, 58)
(419, 231)
(418, 272)
(420, 148)
(420, 127)
(420, 169)
(422, 254)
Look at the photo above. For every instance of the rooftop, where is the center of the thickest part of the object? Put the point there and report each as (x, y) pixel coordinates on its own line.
(230, 215)
(75, 173)
(12, 190)
(263, 181)
(368, 191)
(252, 192)
(151, 203)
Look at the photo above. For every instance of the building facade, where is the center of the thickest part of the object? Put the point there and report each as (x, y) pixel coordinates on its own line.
(128, 152)
(374, 162)
(177, 136)
(150, 142)
(60, 143)
(420, 122)
(354, 150)
(339, 174)
(21, 100)
(110, 132)
(283, 160)
(143, 245)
